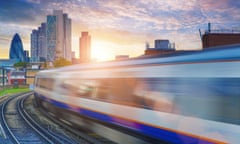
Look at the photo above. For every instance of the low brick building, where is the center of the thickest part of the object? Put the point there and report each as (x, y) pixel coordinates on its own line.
(16, 78)
(220, 39)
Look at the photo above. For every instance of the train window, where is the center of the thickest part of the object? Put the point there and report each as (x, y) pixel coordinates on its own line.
(144, 93)
(121, 91)
(46, 83)
(103, 87)
(79, 87)
(115, 90)
(209, 98)
(156, 94)
(66, 88)
(87, 88)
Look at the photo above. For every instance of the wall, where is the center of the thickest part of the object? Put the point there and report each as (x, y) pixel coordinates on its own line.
(219, 39)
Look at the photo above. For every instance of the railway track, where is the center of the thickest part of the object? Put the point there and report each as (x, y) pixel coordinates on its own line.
(21, 122)
(19, 127)
(2, 133)
(58, 125)
(83, 134)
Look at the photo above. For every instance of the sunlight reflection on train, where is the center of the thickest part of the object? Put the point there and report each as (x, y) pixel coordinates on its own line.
(180, 99)
(207, 98)
(193, 97)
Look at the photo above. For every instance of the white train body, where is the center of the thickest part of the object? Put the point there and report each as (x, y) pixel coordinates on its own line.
(192, 98)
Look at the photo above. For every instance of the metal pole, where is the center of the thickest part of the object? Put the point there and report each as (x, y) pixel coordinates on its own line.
(25, 76)
(209, 27)
(3, 76)
(1, 68)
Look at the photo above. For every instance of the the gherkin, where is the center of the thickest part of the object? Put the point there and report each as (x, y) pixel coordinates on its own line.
(16, 49)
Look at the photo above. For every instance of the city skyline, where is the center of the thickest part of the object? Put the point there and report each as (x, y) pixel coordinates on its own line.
(52, 39)
(120, 27)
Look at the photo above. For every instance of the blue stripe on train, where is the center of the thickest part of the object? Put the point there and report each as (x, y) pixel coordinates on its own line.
(161, 134)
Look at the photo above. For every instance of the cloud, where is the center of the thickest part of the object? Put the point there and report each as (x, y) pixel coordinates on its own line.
(154, 15)
(4, 38)
(10, 29)
(16, 11)
(124, 21)
(144, 15)
(34, 1)
(169, 5)
(222, 11)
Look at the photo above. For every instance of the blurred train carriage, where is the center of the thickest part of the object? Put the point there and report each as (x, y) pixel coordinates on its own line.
(183, 98)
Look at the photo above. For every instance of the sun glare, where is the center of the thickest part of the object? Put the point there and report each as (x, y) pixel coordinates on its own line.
(101, 51)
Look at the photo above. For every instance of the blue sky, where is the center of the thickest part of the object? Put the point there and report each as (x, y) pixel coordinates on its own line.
(121, 26)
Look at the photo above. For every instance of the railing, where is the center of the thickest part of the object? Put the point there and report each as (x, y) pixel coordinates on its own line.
(232, 31)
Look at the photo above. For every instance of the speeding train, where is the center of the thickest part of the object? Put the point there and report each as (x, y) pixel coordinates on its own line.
(180, 98)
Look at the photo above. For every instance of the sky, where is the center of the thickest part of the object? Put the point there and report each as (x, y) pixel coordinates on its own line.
(121, 27)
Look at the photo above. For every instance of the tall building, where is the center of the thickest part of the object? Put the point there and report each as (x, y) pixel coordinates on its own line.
(26, 55)
(85, 47)
(59, 33)
(67, 37)
(39, 44)
(42, 42)
(51, 37)
(63, 35)
(52, 40)
(16, 49)
(34, 46)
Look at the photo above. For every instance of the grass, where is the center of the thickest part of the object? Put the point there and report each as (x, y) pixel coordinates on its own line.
(10, 91)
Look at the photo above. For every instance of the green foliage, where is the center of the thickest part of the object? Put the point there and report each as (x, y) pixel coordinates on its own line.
(10, 91)
(20, 64)
(61, 62)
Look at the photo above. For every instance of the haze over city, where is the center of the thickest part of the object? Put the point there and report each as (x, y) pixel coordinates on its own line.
(120, 27)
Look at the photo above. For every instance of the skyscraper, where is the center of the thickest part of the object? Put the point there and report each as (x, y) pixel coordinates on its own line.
(59, 32)
(63, 35)
(26, 55)
(67, 37)
(52, 40)
(38, 44)
(42, 42)
(51, 37)
(85, 47)
(34, 46)
(16, 49)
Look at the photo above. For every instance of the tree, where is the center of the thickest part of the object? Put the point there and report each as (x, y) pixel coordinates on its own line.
(20, 64)
(61, 62)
